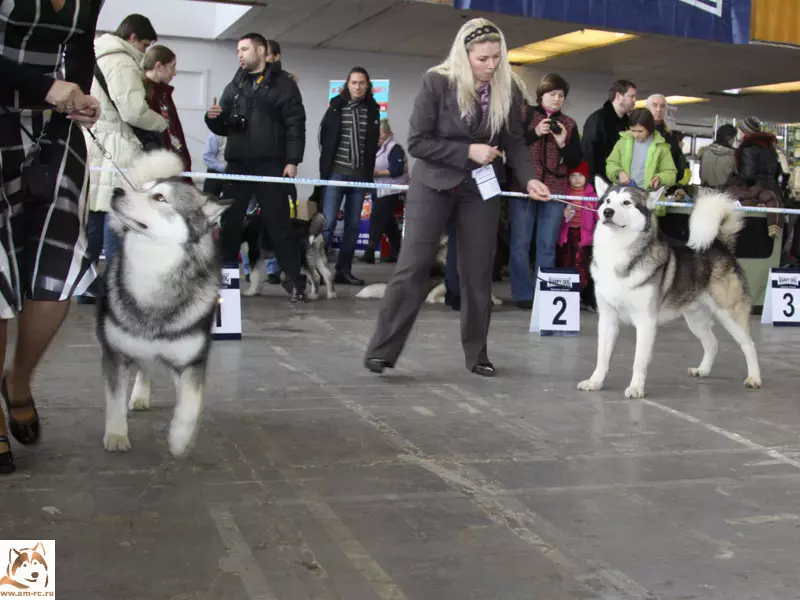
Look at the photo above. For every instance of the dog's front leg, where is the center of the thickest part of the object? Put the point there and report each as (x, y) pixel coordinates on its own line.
(186, 418)
(607, 330)
(645, 338)
(117, 374)
(140, 398)
(313, 279)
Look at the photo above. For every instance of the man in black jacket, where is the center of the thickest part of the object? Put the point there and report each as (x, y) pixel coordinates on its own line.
(348, 143)
(261, 112)
(602, 128)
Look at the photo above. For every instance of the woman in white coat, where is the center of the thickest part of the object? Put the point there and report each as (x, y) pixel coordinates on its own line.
(125, 105)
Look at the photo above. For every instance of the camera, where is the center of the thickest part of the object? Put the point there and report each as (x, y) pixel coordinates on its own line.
(555, 126)
(237, 122)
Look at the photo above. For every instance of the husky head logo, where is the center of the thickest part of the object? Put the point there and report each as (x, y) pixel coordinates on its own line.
(164, 208)
(27, 569)
(626, 207)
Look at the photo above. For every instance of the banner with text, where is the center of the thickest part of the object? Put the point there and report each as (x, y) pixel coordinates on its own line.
(725, 21)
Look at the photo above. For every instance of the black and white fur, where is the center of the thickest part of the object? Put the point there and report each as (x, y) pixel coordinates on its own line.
(162, 290)
(314, 259)
(646, 279)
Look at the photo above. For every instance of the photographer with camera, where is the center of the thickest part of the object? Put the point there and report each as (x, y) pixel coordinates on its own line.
(555, 147)
(261, 113)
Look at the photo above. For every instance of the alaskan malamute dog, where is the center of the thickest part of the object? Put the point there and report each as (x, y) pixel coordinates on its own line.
(314, 259)
(162, 291)
(644, 278)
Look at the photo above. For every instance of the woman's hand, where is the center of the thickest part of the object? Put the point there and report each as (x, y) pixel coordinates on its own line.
(66, 97)
(483, 154)
(88, 115)
(569, 212)
(654, 183)
(543, 128)
(537, 190)
(623, 178)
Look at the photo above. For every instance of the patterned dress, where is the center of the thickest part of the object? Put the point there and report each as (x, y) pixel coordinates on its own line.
(44, 249)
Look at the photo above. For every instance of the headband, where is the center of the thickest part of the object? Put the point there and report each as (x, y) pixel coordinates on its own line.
(480, 32)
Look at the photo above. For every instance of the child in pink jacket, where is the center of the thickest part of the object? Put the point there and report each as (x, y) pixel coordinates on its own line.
(575, 242)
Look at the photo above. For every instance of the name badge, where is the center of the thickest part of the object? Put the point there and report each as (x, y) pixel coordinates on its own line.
(487, 182)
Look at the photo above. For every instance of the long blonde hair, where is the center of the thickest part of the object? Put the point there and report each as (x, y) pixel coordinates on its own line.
(458, 70)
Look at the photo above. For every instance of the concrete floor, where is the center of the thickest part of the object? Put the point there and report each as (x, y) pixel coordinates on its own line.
(313, 479)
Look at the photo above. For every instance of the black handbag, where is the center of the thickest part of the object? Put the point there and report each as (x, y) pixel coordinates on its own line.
(150, 140)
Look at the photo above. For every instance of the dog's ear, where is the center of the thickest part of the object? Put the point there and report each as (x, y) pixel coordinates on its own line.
(13, 554)
(654, 196)
(214, 208)
(600, 186)
(39, 548)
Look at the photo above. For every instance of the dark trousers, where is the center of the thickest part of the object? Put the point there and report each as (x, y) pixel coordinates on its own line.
(427, 214)
(382, 221)
(214, 187)
(273, 198)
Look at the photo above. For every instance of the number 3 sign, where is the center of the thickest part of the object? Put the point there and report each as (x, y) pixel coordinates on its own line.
(557, 303)
(782, 298)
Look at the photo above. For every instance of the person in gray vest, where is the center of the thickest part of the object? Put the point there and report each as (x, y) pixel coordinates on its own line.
(390, 167)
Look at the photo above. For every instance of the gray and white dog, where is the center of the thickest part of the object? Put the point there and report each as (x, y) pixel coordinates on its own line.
(646, 279)
(162, 291)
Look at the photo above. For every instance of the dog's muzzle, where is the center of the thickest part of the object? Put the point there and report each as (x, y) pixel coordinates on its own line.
(117, 193)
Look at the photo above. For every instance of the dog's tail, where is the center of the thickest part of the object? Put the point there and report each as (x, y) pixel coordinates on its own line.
(316, 224)
(714, 217)
(372, 291)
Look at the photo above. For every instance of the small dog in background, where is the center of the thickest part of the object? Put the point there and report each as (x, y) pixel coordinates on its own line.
(645, 278)
(162, 292)
(314, 259)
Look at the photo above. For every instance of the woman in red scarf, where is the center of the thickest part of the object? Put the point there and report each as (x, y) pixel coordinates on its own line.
(160, 66)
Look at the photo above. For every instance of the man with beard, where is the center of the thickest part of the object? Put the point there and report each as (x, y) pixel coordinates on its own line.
(261, 113)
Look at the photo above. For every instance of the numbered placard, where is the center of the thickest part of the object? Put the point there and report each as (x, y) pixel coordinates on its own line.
(557, 303)
(782, 298)
(228, 318)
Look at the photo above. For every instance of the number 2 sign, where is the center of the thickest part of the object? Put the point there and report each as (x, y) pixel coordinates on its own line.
(557, 303)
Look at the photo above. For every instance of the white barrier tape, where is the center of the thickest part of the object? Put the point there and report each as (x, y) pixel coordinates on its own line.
(403, 188)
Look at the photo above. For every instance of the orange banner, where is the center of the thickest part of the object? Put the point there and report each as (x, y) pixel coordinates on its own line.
(776, 21)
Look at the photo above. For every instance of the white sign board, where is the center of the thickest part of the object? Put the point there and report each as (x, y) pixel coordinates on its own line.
(557, 303)
(228, 318)
(782, 298)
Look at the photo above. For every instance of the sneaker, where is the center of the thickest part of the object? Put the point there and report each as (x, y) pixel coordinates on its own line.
(299, 296)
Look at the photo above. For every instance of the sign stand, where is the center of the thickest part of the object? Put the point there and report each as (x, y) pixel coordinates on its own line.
(557, 303)
(228, 317)
(782, 298)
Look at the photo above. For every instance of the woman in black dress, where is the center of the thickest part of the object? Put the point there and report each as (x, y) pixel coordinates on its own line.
(46, 66)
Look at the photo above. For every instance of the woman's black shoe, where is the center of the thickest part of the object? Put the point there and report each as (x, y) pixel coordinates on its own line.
(377, 365)
(484, 370)
(7, 464)
(25, 433)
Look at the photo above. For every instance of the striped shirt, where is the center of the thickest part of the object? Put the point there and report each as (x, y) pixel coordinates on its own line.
(343, 156)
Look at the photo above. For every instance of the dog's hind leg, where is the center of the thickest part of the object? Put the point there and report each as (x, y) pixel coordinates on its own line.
(607, 331)
(140, 397)
(256, 277)
(186, 418)
(325, 272)
(313, 279)
(700, 322)
(737, 322)
(117, 371)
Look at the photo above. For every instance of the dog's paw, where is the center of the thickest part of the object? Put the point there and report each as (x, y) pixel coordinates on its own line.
(752, 383)
(590, 385)
(332, 296)
(181, 437)
(313, 295)
(251, 291)
(634, 391)
(115, 442)
(139, 402)
(698, 372)
(496, 301)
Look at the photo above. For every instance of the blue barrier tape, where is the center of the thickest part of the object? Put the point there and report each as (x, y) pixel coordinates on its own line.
(403, 188)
